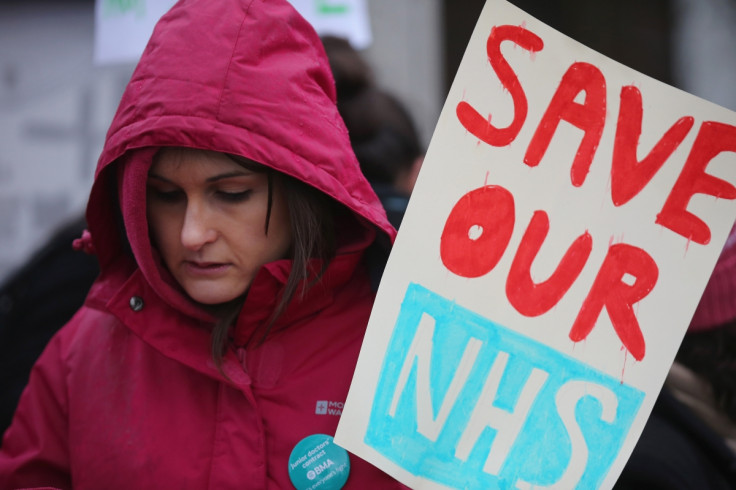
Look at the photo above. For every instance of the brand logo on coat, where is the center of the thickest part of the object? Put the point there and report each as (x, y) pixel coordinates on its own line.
(325, 407)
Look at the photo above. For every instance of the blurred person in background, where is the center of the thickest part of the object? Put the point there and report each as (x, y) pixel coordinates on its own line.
(382, 132)
(36, 301)
(689, 441)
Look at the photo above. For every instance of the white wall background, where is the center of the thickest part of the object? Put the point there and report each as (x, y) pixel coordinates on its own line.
(54, 108)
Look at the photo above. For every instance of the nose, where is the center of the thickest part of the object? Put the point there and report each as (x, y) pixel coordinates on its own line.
(198, 227)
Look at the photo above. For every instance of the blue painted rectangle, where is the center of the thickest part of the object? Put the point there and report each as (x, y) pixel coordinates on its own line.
(590, 429)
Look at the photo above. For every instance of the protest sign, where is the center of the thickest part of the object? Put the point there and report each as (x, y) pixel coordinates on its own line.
(565, 222)
(122, 27)
(348, 19)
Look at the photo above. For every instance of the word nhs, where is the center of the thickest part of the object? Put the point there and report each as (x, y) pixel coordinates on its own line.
(468, 403)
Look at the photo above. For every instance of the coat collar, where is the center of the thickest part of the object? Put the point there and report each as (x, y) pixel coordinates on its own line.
(173, 332)
(267, 289)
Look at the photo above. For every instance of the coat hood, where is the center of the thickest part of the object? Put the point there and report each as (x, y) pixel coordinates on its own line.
(244, 77)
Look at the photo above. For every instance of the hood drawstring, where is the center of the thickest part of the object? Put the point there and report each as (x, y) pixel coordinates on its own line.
(84, 243)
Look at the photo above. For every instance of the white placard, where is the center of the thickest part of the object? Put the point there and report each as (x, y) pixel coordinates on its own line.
(565, 222)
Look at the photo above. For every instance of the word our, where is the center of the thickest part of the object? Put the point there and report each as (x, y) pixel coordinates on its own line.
(626, 275)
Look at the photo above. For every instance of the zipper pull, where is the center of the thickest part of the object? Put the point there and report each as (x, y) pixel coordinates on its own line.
(241, 354)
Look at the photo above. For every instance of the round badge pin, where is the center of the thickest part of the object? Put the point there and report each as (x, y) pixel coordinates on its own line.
(317, 462)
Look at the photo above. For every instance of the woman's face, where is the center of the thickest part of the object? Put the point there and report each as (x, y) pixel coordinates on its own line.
(207, 217)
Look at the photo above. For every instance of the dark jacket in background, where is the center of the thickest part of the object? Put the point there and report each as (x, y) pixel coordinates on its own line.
(678, 451)
(35, 301)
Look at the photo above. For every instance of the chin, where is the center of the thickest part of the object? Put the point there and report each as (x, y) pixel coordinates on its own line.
(213, 298)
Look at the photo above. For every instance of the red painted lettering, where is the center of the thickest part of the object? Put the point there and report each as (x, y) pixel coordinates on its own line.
(611, 291)
(481, 126)
(533, 299)
(477, 231)
(712, 139)
(589, 116)
(628, 175)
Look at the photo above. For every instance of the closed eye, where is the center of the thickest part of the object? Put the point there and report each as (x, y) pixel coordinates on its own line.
(172, 196)
(234, 197)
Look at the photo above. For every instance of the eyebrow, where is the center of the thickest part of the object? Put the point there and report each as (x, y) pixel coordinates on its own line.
(214, 178)
(228, 175)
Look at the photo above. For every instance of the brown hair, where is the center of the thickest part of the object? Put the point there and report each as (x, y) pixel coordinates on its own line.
(311, 213)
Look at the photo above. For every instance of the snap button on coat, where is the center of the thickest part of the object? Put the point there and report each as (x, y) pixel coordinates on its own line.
(136, 303)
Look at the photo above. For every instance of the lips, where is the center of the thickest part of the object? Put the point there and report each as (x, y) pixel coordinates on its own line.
(206, 268)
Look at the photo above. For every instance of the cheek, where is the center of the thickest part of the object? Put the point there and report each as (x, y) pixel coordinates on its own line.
(282, 235)
(256, 247)
(284, 240)
(164, 232)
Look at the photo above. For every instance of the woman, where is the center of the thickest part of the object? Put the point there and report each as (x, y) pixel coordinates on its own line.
(233, 229)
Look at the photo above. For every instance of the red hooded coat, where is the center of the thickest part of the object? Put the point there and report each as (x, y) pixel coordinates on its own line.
(126, 395)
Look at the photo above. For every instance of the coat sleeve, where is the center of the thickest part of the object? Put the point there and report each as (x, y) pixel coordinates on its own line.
(35, 448)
